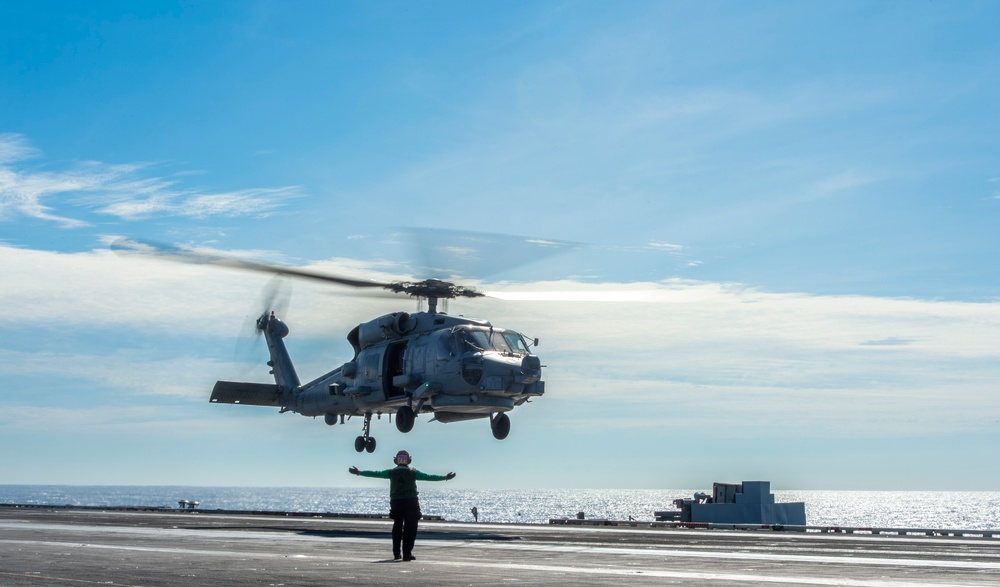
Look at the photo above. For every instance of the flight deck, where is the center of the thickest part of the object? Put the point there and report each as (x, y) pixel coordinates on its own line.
(43, 547)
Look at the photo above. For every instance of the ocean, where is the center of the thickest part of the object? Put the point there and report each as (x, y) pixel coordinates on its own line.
(967, 510)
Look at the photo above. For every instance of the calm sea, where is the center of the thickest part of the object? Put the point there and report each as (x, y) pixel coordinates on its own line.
(973, 510)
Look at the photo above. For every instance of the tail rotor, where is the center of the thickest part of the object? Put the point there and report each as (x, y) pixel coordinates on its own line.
(275, 298)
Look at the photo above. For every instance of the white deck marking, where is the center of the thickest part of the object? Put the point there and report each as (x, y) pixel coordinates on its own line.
(658, 552)
(759, 556)
(532, 568)
(735, 577)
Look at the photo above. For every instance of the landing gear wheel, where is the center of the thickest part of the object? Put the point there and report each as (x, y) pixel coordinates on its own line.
(405, 419)
(365, 441)
(500, 425)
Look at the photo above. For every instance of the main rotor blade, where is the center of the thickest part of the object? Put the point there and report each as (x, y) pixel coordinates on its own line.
(582, 295)
(196, 257)
(447, 253)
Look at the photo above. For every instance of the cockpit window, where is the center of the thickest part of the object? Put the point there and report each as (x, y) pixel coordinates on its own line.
(475, 340)
(500, 343)
(516, 342)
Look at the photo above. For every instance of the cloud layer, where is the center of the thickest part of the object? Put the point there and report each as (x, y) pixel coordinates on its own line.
(688, 354)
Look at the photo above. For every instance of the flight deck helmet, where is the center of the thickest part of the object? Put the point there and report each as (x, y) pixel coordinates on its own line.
(402, 458)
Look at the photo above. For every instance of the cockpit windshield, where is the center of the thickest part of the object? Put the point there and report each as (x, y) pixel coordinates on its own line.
(516, 342)
(504, 341)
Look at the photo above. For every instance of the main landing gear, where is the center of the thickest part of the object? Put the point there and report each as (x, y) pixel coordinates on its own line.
(405, 418)
(365, 442)
(500, 423)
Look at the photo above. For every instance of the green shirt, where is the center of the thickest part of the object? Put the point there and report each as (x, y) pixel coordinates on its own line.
(402, 480)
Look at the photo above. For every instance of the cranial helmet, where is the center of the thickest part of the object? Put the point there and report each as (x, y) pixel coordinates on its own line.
(402, 458)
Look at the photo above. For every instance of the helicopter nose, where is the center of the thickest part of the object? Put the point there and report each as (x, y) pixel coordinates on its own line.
(531, 370)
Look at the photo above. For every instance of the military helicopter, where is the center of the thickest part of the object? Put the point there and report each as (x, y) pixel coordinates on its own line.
(404, 364)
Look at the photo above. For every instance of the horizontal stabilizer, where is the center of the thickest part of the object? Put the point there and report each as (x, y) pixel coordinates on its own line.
(251, 394)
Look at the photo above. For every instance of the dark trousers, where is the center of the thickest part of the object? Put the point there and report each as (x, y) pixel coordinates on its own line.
(405, 514)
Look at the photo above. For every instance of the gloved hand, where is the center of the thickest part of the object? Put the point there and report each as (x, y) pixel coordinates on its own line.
(449, 476)
(354, 471)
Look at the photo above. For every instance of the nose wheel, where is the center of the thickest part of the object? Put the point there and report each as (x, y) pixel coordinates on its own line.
(365, 442)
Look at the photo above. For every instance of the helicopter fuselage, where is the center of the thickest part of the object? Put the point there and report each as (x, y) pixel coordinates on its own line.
(405, 364)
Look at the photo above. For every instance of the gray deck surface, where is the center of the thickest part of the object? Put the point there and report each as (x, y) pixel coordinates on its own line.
(49, 547)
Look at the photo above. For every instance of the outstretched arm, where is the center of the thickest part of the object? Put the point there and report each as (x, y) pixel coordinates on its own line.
(421, 476)
(378, 474)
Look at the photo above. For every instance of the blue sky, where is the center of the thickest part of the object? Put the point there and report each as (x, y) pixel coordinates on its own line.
(800, 202)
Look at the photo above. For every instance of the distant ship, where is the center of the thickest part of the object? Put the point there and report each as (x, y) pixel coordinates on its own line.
(750, 502)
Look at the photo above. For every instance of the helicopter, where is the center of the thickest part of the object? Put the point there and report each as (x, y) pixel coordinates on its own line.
(405, 364)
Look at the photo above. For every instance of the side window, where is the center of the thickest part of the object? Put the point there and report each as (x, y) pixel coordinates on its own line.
(476, 341)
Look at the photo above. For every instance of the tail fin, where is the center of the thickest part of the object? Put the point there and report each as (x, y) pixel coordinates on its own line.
(281, 364)
(286, 382)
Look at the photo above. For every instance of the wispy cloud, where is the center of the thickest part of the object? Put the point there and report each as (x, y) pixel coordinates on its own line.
(668, 247)
(126, 191)
(14, 147)
(838, 184)
(168, 202)
(891, 341)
